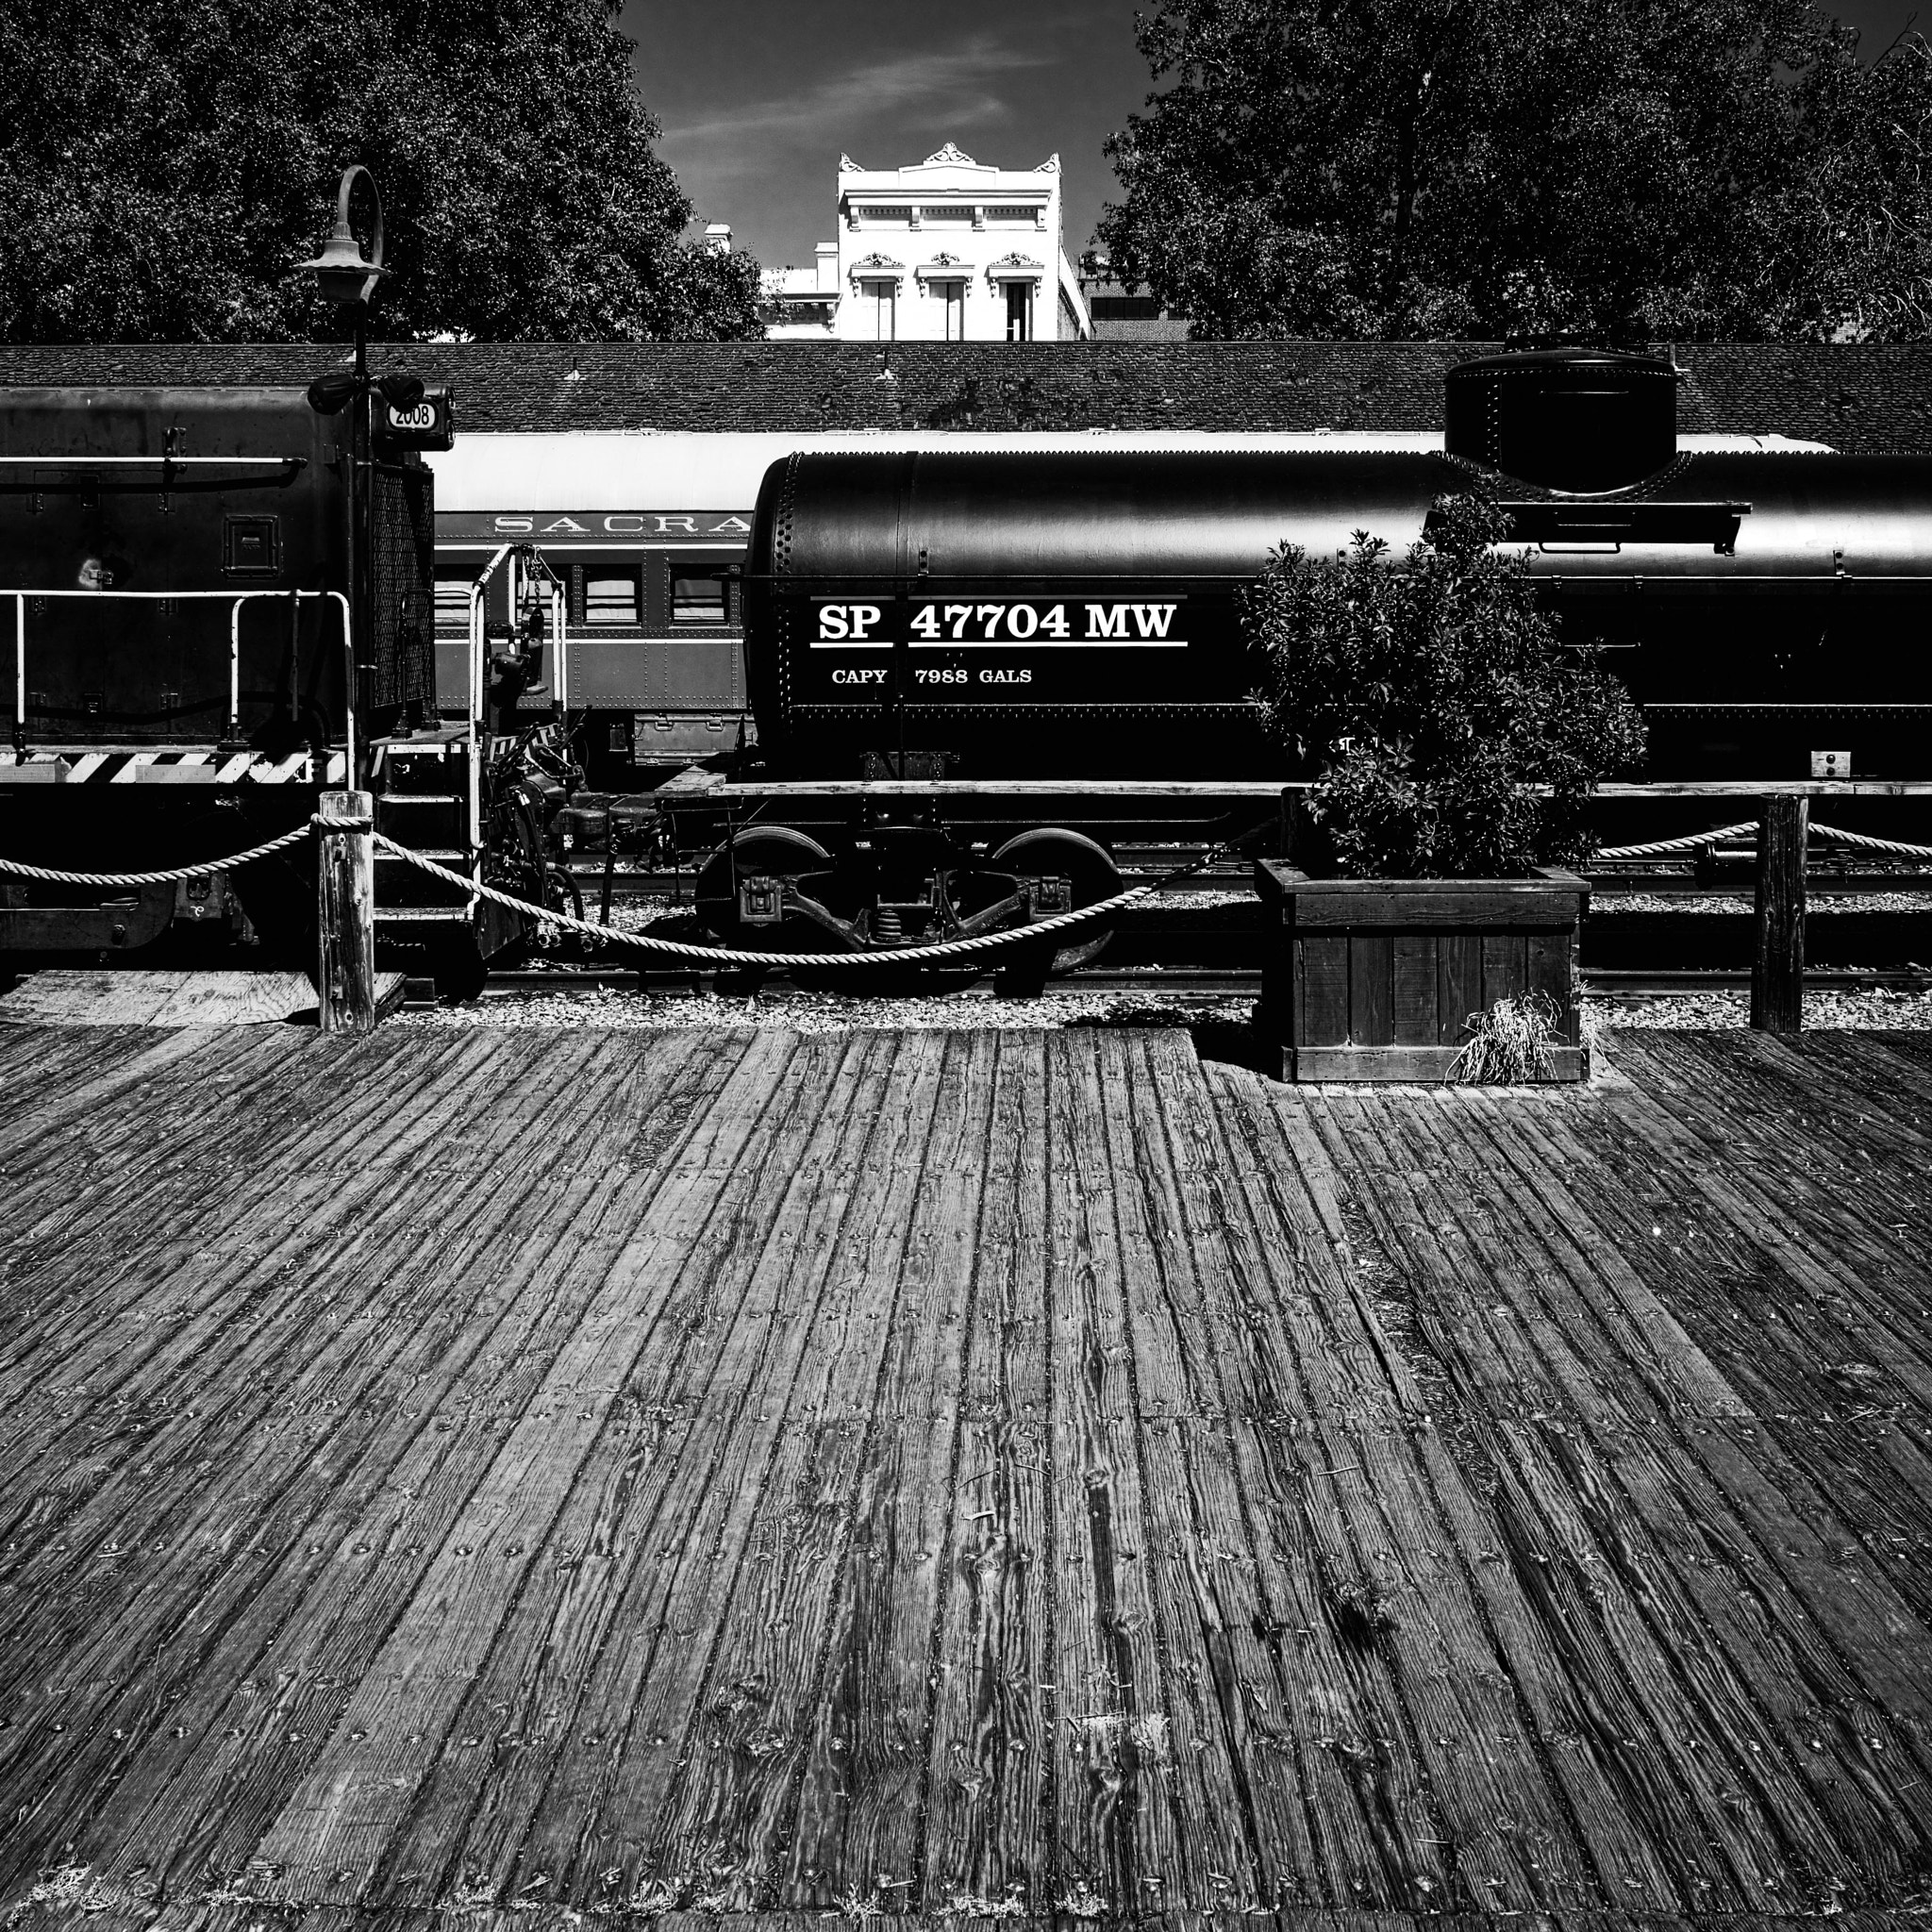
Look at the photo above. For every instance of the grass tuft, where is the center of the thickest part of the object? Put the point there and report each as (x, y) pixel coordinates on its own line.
(1510, 1044)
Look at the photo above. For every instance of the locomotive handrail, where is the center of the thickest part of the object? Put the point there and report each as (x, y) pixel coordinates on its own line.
(235, 659)
(239, 598)
(172, 462)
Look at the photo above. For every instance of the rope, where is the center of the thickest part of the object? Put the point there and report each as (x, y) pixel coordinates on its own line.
(900, 955)
(1867, 843)
(1658, 847)
(176, 874)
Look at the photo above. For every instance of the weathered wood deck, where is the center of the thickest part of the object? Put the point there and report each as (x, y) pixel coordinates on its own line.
(527, 1478)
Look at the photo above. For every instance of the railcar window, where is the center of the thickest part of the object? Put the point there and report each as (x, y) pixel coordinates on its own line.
(614, 600)
(698, 600)
(453, 602)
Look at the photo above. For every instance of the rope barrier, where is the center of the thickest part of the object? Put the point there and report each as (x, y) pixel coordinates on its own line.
(1865, 842)
(898, 956)
(175, 874)
(1658, 848)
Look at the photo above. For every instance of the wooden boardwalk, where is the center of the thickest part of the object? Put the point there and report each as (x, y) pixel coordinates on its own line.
(532, 1479)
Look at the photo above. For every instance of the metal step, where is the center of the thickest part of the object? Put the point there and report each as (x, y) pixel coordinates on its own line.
(383, 798)
(438, 854)
(419, 915)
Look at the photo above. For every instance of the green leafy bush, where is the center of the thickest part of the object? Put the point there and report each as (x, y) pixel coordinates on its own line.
(1453, 734)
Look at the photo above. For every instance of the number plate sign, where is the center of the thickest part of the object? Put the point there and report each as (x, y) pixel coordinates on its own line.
(1037, 648)
(426, 426)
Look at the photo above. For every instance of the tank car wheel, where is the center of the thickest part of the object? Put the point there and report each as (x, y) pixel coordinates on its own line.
(761, 851)
(1049, 851)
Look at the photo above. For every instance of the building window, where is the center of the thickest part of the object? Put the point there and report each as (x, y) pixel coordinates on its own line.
(613, 599)
(951, 293)
(1018, 311)
(878, 301)
(696, 600)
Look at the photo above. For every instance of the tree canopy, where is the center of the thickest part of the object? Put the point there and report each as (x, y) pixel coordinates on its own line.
(169, 163)
(1665, 169)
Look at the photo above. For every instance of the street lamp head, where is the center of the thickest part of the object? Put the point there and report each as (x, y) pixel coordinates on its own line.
(341, 272)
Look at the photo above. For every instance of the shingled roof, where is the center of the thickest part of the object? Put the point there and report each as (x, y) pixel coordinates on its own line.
(1854, 396)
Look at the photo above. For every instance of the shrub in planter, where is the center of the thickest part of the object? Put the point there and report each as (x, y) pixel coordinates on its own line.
(1452, 733)
(1454, 741)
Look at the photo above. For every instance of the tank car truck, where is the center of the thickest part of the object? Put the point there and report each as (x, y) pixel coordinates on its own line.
(1002, 619)
(199, 647)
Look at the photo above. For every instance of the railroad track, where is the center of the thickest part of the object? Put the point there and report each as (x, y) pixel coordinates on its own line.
(1191, 983)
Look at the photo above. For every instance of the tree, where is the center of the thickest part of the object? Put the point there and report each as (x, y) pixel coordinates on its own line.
(169, 163)
(1657, 167)
(1452, 733)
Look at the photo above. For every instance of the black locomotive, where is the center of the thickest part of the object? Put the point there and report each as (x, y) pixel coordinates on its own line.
(1073, 617)
(203, 639)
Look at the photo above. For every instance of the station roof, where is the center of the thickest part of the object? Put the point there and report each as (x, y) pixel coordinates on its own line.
(1855, 396)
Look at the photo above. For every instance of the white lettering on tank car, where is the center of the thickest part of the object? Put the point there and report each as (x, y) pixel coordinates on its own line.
(864, 674)
(849, 626)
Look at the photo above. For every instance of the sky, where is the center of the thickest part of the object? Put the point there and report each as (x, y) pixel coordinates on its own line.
(758, 98)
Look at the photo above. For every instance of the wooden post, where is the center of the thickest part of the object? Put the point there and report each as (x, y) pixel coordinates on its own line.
(1777, 971)
(346, 915)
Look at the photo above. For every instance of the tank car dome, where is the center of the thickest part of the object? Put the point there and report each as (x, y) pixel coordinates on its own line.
(1586, 421)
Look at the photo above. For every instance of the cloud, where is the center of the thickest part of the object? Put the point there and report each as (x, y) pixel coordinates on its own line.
(948, 90)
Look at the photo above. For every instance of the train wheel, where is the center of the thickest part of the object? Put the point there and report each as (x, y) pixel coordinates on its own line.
(1049, 852)
(763, 852)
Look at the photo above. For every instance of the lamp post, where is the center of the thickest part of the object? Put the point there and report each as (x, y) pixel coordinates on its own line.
(344, 275)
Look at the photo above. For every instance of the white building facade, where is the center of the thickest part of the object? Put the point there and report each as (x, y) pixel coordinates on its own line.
(950, 249)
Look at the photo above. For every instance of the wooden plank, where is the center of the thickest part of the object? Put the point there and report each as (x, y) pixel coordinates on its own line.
(138, 996)
(1504, 967)
(1408, 1063)
(1114, 1836)
(1460, 990)
(1371, 990)
(1532, 908)
(192, 1263)
(791, 1424)
(1322, 993)
(987, 1843)
(1416, 988)
(886, 1634)
(336, 1820)
(172, 1317)
(1549, 971)
(1231, 1546)
(196, 1335)
(195, 1786)
(1839, 1249)
(691, 1258)
(1777, 968)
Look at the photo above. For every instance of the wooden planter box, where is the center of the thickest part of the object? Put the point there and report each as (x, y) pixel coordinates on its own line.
(1375, 979)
